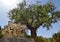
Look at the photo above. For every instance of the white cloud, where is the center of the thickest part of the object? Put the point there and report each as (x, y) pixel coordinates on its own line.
(5, 7)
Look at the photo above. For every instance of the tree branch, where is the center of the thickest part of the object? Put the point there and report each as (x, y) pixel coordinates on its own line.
(39, 24)
(29, 26)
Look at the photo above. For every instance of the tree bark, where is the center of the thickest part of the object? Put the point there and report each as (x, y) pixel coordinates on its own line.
(33, 32)
(32, 29)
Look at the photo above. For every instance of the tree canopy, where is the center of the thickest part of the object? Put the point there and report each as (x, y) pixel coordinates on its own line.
(35, 15)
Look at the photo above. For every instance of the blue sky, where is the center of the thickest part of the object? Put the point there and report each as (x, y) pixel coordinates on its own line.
(4, 9)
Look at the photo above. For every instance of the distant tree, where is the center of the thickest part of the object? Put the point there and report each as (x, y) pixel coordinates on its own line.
(56, 36)
(35, 15)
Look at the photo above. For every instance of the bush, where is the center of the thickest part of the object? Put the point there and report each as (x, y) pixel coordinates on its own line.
(39, 39)
(1, 35)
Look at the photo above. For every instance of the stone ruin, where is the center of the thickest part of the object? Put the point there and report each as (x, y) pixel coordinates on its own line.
(14, 32)
(13, 29)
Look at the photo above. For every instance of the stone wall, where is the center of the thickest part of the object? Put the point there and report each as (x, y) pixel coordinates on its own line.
(16, 39)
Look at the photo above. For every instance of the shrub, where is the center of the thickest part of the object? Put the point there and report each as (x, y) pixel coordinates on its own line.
(1, 35)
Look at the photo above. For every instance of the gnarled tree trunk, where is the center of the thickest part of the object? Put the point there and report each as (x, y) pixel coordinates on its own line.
(33, 32)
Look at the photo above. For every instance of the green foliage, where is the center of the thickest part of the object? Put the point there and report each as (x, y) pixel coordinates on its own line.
(39, 39)
(1, 35)
(35, 15)
(56, 36)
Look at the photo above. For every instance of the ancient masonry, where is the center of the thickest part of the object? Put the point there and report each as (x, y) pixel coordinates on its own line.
(13, 29)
